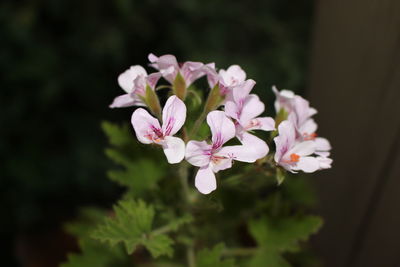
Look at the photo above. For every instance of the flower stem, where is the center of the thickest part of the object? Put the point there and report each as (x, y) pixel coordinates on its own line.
(197, 124)
(183, 178)
(191, 259)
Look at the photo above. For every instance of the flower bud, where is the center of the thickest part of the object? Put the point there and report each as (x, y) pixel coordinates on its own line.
(179, 87)
(214, 99)
(152, 101)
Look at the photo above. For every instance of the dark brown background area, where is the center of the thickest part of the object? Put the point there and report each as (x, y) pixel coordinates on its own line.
(355, 85)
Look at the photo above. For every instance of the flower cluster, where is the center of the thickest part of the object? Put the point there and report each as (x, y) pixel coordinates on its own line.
(231, 111)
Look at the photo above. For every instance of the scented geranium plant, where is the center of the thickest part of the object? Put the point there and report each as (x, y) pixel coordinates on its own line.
(210, 179)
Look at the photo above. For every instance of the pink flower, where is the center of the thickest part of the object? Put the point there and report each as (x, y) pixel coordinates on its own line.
(134, 81)
(294, 155)
(227, 79)
(245, 108)
(169, 68)
(292, 103)
(213, 157)
(148, 129)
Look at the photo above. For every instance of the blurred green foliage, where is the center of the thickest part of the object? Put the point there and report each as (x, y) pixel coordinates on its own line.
(238, 225)
(58, 65)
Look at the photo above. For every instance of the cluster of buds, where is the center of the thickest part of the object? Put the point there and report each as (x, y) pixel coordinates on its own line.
(231, 111)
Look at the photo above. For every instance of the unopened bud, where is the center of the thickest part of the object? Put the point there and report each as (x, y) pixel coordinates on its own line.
(179, 87)
(152, 101)
(214, 99)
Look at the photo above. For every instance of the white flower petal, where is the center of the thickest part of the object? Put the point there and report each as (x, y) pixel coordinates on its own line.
(174, 149)
(198, 153)
(144, 125)
(205, 180)
(173, 115)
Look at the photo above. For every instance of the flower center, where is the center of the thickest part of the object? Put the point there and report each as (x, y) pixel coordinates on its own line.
(294, 158)
(253, 123)
(155, 134)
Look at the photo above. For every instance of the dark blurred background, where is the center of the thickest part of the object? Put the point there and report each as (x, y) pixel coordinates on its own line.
(59, 61)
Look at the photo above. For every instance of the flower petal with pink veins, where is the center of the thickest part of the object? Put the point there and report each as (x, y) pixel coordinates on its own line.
(174, 149)
(173, 115)
(205, 180)
(232, 110)
(198, 153)
(244, 153)
(144, 125)
(241, 91)
(252, 107)
(285, 140)
(222, 128)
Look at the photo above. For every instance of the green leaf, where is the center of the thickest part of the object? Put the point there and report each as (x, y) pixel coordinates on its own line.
(96, 254)
(284, 234)
(132, 226)
(88, 217)
(117, 135)
(92, 252)
(208, 258)
(159, 245)
(268, 258)
(275, 237)
(140, 176)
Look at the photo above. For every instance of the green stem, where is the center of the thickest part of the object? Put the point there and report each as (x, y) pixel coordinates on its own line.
(183, 178)
(198, 123)
(191, 259)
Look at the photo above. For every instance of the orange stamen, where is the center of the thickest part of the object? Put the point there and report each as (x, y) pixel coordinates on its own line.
(294, 157)
(311, 136)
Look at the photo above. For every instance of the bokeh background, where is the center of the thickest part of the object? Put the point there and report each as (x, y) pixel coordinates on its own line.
(59, 61)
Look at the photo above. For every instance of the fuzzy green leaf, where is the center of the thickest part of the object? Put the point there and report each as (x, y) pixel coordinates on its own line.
(92, 252)
(212, 257)
(279, 236)
(140, 176)
(284, 234)
(132, 226)
(268, 258)
(96, 254)
(117, 135)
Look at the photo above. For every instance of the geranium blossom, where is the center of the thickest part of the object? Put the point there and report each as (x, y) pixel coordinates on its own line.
(227, 79)
(245, 108)
(214, 157)
(290, 102)
(294, 155)
(134, 81)
(148, 129)
(170, 68)
(299, 114)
